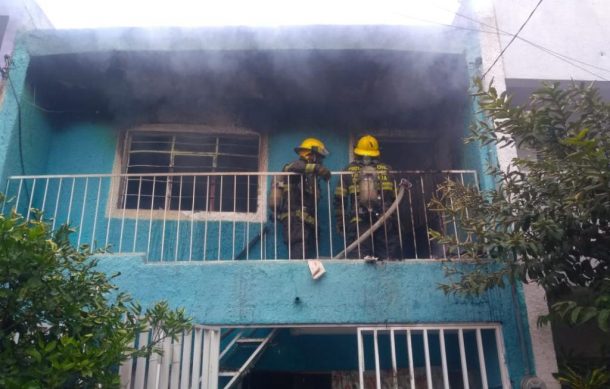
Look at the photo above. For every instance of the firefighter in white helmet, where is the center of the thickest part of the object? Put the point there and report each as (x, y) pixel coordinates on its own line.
(360, 200)
(299, 196)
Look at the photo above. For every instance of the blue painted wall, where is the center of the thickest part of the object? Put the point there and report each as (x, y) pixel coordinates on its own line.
(352, 292)
(24, 129)
(90, 148)
(82, 148)
(476, 155)
(245, 292)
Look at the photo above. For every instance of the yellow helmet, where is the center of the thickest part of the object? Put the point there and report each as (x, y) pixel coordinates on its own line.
(367, 146)
(312, 145)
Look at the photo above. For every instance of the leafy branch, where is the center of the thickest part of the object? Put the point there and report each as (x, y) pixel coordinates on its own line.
(548, 218)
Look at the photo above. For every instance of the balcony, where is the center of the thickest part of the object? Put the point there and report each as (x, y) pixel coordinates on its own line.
(223, 216)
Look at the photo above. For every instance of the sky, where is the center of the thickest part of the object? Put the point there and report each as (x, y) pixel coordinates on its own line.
(194, 13)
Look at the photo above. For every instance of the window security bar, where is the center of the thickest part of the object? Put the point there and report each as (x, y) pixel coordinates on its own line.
(228, 216)
(422, 356)
(433, 356)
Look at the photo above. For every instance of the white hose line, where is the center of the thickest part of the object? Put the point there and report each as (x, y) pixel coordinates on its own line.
(404, 183)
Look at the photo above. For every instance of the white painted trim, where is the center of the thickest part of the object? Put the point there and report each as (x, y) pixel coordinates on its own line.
(117, 169)
(447, 326)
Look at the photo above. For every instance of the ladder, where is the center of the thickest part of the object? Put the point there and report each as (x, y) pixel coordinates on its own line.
(252, 342)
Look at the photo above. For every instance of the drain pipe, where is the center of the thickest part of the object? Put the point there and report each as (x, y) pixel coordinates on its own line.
(404, 183)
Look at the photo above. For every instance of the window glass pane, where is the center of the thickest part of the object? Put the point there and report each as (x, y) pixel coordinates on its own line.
(248, 146)
(141, 141)
(192, 153)
(237, 164)
(196, 143)
(147, 162)
(195, 164)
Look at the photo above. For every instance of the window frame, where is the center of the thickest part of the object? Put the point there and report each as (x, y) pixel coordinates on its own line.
(119, 169)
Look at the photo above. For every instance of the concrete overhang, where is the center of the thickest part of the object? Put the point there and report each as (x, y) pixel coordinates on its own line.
(266, 79)
(367, 37)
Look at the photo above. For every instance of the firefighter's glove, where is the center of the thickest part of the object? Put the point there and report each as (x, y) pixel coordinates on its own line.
(323, 172)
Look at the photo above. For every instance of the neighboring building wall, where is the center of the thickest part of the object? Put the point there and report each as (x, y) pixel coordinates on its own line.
(563, 41)
(22, 15)
(578, 29)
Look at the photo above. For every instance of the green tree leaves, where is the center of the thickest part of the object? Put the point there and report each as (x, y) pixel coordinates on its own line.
(62, 323)
(548, 219)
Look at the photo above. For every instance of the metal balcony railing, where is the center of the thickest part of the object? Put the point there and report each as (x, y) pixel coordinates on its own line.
(463, 355)
(228, 216)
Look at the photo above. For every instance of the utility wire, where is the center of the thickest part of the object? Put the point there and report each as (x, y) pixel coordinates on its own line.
(568, 61)
(558, 55)
(443, 24)
(513, 39)
(561, 57)
(19, 129)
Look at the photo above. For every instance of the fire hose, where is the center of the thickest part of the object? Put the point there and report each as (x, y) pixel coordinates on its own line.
(404, 184)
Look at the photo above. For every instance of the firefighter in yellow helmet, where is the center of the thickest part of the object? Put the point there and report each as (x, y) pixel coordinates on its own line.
(362, 197)
(300, 194)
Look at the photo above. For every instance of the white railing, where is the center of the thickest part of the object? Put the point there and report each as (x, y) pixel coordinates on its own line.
(182, 364)
(227, 216)
(464, 355)
(467, 356)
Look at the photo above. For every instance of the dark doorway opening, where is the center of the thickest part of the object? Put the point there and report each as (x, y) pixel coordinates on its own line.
(286, 380)
(422, 158)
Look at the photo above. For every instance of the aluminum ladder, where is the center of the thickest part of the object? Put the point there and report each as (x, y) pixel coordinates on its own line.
(252, 342)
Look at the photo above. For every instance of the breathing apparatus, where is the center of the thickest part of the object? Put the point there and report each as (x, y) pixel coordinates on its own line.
(404, 185)
(368, 187)
(369, 194)
(276, 195)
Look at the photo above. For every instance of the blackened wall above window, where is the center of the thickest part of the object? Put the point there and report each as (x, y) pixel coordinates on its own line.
(265, 90)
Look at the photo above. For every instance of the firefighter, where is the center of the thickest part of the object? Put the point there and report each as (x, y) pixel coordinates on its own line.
(361, 198)
(300, 195)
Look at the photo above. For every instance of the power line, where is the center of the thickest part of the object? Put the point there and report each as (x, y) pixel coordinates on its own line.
(560, 56)
(9, 62)
(539, 46)
(569, 61)
(443, 24)
(513, 38)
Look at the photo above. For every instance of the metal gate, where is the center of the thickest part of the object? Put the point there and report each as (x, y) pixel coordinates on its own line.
(417, 356)
(197, 359)
(432, 356)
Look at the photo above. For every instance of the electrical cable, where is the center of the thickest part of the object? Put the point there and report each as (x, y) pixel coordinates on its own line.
(562, 57)
(443, 24)
(537, 45)
(513, 38)
(19, 133)
(556, 54)
(46, 110)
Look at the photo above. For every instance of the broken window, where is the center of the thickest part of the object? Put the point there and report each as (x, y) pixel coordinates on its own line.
(165, 171)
